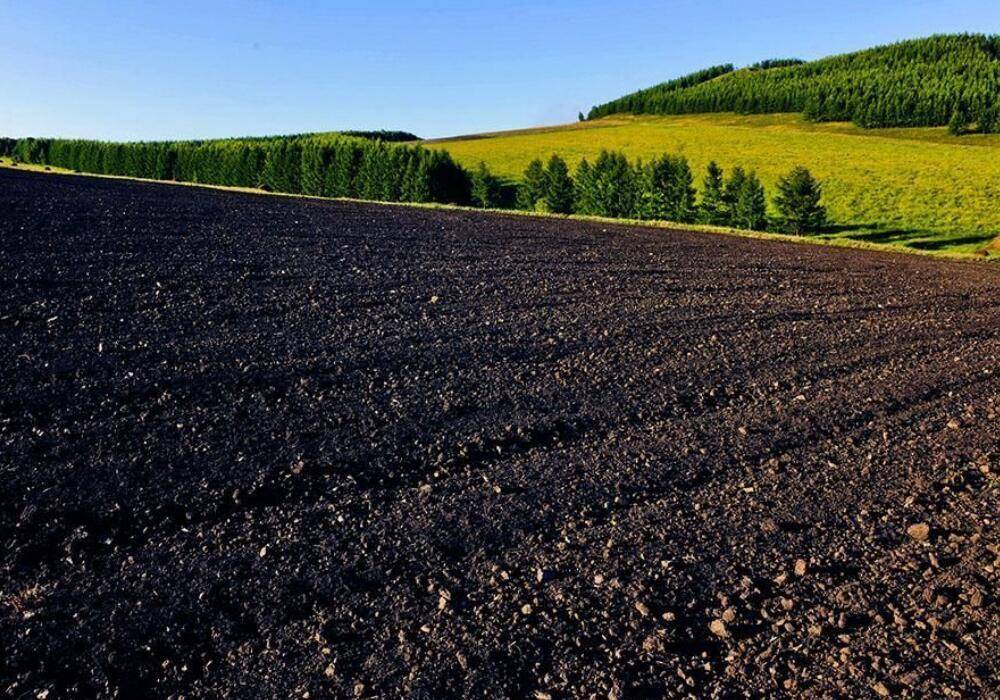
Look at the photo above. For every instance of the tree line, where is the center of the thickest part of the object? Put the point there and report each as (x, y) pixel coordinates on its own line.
(661, 189)
(382, 135)
(341, 166)
(327, 165)
(776, 63)
(942, 80)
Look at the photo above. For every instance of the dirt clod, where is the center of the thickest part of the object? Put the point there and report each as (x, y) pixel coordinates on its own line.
(920, 532)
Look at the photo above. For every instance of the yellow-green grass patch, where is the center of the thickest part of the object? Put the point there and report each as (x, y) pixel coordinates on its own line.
(917, 188)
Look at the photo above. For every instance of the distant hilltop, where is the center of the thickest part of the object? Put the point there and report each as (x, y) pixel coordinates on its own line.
(941, 80)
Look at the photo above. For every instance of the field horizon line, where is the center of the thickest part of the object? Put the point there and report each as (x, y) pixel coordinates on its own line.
(978, 257)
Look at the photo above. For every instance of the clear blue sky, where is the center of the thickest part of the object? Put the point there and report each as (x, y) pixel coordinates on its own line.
(181, 69)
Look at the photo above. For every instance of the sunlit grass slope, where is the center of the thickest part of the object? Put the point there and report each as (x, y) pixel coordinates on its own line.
(920, 188)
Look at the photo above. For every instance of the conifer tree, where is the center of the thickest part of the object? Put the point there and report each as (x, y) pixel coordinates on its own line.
(668, 190)
(731, 194)
(532, 188)
(750, 211)
(558, 187)
(313, 166)
(166, 159)
(959, 122)
(411, 186)
(340, 179)
(614, 186)
(713, 206)
(282, 167)
(447, 181)
(798, 202)
(989, 118)
(583, 189)
(486, 188)
(367, 174)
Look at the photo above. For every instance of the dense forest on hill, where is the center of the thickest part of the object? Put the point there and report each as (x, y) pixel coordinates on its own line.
(944, 79)
(643, 101)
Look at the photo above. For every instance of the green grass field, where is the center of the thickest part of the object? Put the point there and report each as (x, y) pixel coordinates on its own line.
(915, 188)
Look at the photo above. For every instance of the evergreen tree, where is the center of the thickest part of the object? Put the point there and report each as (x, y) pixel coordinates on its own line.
(340, 179)
(989, 118)
(731, 194)
(447, 181)
(314, 157)
(713, 205)
(558, 187)
(683, 194)
(798, 202)
(750, 211)
(373, 171)
(532, 188)
(413, 188)
(292, 166)
(392, 180)
(959, 122)
(614, 186)
(487, 190)
(668, 190)
(583, 189)
(282, 166)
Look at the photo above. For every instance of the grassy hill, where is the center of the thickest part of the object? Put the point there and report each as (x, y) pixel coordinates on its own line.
(921, 82)
(918, 187)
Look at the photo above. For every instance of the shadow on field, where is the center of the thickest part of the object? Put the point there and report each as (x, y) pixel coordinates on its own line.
(980, 239)
(910, 238)
(834, 229)
(887, 235)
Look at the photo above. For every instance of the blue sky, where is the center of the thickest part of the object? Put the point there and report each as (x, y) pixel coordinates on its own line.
(184, 69)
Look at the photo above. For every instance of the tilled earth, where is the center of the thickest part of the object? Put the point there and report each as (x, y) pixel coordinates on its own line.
(262, 447)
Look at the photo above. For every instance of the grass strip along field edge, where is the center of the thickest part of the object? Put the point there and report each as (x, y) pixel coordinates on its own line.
(991, 253)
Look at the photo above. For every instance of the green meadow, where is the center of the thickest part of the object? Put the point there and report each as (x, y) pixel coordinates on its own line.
(918, 188)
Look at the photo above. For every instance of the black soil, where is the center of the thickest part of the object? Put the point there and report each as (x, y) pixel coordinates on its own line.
(263, 447)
